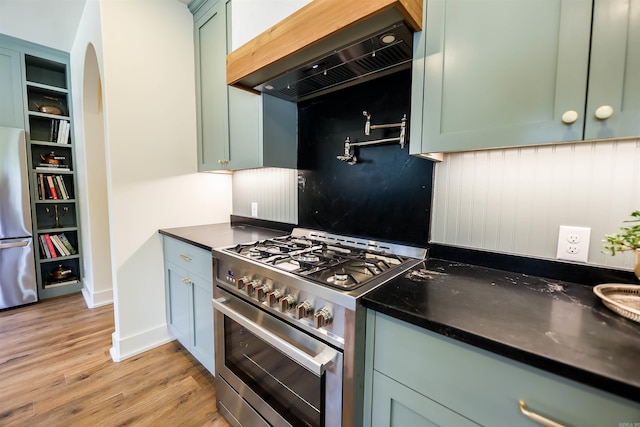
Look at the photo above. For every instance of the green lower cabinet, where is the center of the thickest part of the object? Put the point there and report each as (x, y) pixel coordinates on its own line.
(420, 378)
(188, 294)
(399, 406)
(178, 305)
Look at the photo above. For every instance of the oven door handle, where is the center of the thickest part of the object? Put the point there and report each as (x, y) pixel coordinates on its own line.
(317, 365)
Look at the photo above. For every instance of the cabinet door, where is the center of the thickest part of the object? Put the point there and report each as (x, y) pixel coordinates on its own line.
(202, 344)
(500, 73)
(211, 89)
(10, 89)
(178, 309)
(244, 130)
(396, 405)
(486, 387)
(614, 73)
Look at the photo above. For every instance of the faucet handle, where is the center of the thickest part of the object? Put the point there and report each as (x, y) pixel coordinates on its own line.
(367, 125)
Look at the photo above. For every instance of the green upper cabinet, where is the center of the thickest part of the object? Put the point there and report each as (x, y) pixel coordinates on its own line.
(211, 88)
(11, 108)
(614, 73)
(504, 73)
(236, 129)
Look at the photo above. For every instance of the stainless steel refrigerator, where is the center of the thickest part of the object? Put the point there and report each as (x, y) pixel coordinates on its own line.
(17, 264)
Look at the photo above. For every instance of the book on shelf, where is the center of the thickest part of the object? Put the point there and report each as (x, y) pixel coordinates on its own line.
(67, 281)
(52, 251)
(50, 167)
(62, 249)
(44, 248)
(53, 135)
(42, 195)
(59, 131)
(52, 188)
(63, 188)
(56, 245)
(48, 182)
(67, 244)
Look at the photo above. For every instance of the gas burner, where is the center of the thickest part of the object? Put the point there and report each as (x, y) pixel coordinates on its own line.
(253, 252)
(273, 250)
(340, 277)
(308, 258)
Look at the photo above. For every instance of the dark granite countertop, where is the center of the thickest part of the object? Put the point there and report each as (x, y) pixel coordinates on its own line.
(557, 326)
(220, 235)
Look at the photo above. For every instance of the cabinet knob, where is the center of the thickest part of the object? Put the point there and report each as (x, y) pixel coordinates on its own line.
(569, 117)
(186, 281)
(223, 161)
(604, 112)
(184, 257)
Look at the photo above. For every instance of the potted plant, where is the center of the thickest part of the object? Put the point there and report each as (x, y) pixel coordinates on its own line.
(627, 240)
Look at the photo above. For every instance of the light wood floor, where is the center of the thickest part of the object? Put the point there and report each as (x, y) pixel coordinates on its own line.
(55, 370)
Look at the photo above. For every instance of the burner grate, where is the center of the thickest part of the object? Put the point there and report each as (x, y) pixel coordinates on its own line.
(328, 263)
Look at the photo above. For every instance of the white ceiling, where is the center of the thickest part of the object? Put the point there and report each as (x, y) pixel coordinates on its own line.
(51, 23)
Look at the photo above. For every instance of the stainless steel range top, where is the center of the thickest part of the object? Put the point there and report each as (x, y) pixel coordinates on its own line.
(311, 278)
(338, 262)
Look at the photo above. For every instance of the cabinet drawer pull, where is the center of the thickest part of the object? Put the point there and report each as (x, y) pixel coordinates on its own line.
(604, 112)
(184, 257)
(186, 281)
(569, 117)
(540, 419)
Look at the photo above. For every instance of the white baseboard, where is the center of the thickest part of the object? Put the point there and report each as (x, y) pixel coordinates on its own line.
(124, 348)
(97, 299)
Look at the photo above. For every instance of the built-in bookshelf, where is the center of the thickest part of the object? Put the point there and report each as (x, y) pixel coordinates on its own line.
(54, 204)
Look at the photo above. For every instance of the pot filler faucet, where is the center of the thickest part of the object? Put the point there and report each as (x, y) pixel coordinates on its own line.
(350, 157)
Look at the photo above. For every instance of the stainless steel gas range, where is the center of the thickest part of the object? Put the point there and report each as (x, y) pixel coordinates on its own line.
(289, 336)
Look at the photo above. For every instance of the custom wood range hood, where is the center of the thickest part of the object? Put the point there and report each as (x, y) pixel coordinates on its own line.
(327, 45)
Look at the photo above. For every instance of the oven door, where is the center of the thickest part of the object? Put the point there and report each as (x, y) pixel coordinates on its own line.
(283, 374)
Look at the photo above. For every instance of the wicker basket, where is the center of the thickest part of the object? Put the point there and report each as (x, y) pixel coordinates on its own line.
(621, 298)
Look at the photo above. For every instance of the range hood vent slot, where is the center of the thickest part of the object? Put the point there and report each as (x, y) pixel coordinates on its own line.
(359, 61)
(377, 43)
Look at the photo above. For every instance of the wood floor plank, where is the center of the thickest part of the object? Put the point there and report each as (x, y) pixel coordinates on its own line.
(55, 370)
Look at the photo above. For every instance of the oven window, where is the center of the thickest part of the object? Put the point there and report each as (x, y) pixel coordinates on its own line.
(291, 390)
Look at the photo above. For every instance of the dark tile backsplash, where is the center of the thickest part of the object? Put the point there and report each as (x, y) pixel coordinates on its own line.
(387, 194)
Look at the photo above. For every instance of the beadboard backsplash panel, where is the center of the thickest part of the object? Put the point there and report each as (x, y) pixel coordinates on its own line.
(514, 200)
(274, 190)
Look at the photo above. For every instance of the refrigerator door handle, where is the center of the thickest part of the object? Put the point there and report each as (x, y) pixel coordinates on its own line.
(13, 245)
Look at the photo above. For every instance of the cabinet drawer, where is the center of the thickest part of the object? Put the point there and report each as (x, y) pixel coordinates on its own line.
(485, 387)
(193, 259)
(395, 405)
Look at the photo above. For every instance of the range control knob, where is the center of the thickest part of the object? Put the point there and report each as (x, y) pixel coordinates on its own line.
(241, 282)
(303, 310)
(287, 302)
(252, 286)
(322, 318)
(263, 291)
(274, 296)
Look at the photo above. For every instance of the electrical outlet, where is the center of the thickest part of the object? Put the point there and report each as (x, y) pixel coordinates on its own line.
(573, 243)
(254, 209)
